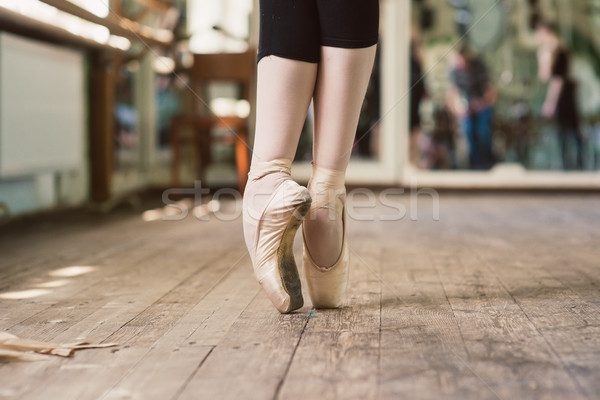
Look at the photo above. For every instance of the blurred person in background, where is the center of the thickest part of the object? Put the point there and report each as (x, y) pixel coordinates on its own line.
(322, 50)
(554, 61)
(471, 98)
(418, 92)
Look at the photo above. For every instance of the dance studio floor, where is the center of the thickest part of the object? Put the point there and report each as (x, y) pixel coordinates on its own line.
(498, 299)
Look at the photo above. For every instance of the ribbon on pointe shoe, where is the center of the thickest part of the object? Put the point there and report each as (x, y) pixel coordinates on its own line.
(260, 169)
(327, 186)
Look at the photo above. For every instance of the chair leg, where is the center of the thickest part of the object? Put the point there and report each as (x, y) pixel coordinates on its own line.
(203, 159)
(199, 150)
(241, 158)
(175, 144)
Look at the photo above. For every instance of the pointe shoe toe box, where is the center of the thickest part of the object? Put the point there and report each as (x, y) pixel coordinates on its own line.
(327, 286)
(274, 264)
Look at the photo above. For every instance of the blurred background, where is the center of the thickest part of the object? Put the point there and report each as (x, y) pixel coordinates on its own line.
(100, 99)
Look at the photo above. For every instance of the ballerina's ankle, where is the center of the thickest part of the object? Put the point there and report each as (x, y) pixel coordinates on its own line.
(327, 186)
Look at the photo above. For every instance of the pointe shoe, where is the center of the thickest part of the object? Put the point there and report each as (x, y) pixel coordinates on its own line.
(272, 231)
(327, 285)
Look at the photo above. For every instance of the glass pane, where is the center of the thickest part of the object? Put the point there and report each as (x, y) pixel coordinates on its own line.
(505, 82)
(127, 139)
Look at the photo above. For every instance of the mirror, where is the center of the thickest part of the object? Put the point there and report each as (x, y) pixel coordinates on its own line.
(478, 94)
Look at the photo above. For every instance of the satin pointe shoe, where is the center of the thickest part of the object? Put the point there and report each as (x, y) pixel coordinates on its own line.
(327, 284)
(270, 231)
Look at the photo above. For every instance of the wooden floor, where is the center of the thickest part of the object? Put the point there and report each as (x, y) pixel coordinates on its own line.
(498, 299)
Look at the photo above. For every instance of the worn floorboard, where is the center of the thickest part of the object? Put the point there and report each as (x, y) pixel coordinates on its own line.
(498, 298)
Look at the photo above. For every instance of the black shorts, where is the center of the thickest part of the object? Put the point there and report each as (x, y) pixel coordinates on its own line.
(297, 29)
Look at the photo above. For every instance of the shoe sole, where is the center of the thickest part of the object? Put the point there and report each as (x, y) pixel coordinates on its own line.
(286, 261)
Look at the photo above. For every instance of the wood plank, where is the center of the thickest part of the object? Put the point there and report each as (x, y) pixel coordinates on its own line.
(158, 375)
(110, 263)
(102, 78)
(117, 25)
(556, 312)
(149, 321)
(422, 350)
(32, 27)
(496, 327)
(252, 358)
(498, 299)
(339, 350)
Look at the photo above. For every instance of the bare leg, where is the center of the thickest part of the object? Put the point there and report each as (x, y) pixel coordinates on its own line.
(342, 80)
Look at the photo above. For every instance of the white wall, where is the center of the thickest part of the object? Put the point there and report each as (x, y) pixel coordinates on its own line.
(231, 15)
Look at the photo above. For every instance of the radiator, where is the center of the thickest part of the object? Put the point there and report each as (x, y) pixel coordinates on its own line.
(42, 107)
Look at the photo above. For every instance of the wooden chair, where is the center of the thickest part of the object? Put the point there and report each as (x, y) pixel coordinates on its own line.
(226, 67)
